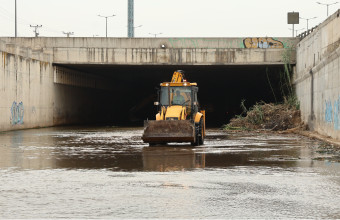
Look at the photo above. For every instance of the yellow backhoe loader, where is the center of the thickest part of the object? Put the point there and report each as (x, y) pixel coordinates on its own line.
(179, 118)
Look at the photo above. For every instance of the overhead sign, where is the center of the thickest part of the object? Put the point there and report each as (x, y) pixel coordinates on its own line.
(293, 17)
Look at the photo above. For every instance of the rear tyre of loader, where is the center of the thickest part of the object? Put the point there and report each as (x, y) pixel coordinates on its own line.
(200, 133)
(199, 139)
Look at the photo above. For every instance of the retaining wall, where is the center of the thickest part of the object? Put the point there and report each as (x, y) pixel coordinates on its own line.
(30, 98)
(317, 77)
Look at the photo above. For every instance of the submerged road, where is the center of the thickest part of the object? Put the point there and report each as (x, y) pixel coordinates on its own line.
(79, 172)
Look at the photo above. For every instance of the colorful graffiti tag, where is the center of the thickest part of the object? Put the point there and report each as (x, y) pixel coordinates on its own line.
(332, 113)
(328, 112)
(262, 42)
(17, 112)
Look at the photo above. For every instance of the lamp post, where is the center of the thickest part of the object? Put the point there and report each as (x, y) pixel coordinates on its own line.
(296, 31)
(15, 5)
(155, 34)
(327, 5)
(135, 28)
(307, 19)
(106, 20)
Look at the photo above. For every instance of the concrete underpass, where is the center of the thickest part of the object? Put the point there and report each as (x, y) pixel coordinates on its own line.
(131, 90)
(64, 81)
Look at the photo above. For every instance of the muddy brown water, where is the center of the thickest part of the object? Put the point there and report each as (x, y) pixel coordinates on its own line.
(103, 172)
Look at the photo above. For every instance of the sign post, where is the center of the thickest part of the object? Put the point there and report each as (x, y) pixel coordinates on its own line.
(293, 18)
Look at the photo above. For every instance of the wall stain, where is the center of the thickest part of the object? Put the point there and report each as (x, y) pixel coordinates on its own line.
(196, 43)
(4, 54)
(254, 42)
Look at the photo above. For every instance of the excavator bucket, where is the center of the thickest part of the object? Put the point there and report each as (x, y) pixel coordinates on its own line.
(168, 131)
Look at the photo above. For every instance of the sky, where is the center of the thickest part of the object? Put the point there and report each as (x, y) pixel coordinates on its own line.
(172, 18)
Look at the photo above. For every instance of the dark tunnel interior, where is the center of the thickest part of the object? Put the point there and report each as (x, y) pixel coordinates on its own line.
(221, 89)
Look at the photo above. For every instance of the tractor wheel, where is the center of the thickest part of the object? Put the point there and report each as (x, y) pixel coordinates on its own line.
(199, 140)
(201, 133)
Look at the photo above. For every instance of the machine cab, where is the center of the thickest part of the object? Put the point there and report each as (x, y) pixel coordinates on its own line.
(180, 95)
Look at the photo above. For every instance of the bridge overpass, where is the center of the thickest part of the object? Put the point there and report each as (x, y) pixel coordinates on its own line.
(159, 51)
(54, 81)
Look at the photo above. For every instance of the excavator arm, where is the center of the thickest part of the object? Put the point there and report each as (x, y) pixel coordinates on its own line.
(177, 77)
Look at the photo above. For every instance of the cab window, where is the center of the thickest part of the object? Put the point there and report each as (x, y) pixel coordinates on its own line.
(180, 95)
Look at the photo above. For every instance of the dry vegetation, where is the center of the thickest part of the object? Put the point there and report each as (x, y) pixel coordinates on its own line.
(275, 117)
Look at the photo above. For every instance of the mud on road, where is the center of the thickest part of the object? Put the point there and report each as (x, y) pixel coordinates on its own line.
(91, 172)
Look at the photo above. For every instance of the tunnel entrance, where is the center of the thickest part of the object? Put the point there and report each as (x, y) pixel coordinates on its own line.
(129, 101)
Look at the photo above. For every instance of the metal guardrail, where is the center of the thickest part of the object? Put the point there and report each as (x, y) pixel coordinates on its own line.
(308, 32)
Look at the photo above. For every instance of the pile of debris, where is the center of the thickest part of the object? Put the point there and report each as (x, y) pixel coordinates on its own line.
(275, 117)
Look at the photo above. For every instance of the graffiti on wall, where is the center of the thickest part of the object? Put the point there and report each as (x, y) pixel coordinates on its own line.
(336, 114)
(262, 42)
(328, 112)
(332, 113)
(17, 113)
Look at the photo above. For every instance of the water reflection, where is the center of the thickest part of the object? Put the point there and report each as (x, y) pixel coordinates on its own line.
(165, 158)
(121, 149)
(26, 150)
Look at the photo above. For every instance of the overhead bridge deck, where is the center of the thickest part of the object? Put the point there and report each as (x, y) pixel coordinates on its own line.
(161, 51)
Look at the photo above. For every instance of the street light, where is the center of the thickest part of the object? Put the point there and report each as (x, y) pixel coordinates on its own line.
(327, 5)
(155, 34)
(16, 34)
(135, 28)
(106, 20)
(307, 19)
(296, 30)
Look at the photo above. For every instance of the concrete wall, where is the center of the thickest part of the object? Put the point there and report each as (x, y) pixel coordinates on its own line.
(317, 77)
(26, 95)
(149, 43)
(29, 96)
(170, 51)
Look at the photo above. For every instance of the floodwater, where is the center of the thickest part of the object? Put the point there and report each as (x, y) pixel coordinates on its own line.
(77, 172)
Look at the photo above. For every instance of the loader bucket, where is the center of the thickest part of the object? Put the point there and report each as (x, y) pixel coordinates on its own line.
(168, 131)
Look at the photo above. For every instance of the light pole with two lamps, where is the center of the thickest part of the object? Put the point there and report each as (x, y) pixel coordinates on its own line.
(307, 19)
(327, 5)
(15, 5)
(106, 20)
(134, 28)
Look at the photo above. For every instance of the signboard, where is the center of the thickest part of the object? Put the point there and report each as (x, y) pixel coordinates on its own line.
(293, 17)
